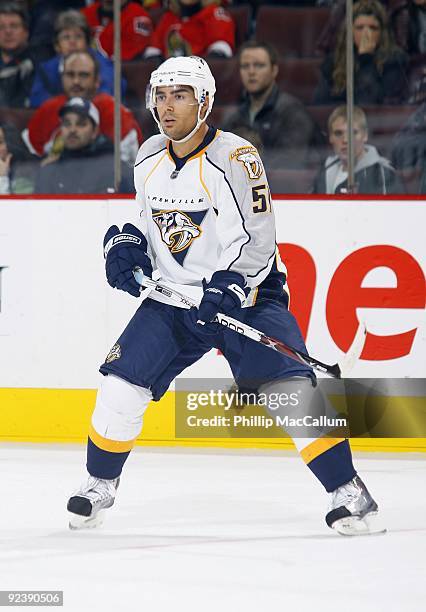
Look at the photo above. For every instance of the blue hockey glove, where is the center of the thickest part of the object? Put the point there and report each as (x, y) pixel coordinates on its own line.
(123, 251)
(224, 293)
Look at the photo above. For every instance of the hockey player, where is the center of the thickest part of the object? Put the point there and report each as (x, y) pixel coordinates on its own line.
(207, 226)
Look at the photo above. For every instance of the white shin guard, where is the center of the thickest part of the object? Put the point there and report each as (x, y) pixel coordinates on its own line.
(119, 409)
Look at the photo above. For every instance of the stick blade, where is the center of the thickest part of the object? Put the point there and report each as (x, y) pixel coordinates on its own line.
(354, 352)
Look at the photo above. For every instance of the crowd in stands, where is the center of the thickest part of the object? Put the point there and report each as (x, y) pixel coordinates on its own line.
(80, 78)
(86, 161)
(280, 70)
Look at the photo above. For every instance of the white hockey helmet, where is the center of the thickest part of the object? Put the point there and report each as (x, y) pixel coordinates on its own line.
(193, 71)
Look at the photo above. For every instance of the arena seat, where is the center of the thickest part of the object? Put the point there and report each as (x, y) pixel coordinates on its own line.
(242, 19)
(227, 75)
(321, 114)
(291, 181)
(293, 31)
(220, 113)
(299, 77)
(387, 119)
(137, 75)
(383, 124)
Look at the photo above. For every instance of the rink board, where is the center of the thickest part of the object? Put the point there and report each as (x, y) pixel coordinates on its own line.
(58, 318)
(63, 415)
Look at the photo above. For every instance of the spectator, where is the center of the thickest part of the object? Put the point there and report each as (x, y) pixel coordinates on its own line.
(86, 163)
(409, 147)
(81, 78)
(71, 34)
(192, 27)
(42, 18)
(373, 173)
(379, 65)
(17, 165)
(16, 59)
(408, 18)
(136, 28)
(286, 129)
(328, 38)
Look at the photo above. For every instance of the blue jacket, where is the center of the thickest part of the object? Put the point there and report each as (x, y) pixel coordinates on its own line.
(48, 83)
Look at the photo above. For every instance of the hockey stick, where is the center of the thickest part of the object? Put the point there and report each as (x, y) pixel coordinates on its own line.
(335, 371)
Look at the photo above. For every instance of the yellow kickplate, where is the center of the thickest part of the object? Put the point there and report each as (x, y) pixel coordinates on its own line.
(63, 415)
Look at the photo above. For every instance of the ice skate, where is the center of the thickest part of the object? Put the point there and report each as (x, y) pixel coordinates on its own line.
(353, 511)
(87, 506)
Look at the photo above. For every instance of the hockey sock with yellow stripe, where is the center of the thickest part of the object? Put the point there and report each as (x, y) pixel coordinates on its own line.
(116, 424)
(331, 463)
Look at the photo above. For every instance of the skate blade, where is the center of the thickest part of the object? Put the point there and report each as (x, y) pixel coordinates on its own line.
(355, 526)
(78, 522)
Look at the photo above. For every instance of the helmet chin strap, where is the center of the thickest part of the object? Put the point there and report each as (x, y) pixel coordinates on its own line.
(192, 132)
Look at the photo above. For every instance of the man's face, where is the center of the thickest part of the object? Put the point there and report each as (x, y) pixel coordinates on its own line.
(177, 110)
(256, 71)
(69, 40)
(78, 78)
(13, 33)
(78, 131)
(338, 137)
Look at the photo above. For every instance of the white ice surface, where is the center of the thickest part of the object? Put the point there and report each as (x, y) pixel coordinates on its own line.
(211, 531)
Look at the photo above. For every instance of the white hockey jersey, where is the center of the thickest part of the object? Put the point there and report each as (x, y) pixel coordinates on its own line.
(209, 211)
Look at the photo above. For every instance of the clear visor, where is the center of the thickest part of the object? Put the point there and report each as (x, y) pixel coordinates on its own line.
(174, 95)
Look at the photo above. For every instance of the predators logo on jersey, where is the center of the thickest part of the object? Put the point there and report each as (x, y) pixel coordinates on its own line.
(249, 157)
(177, 229)
(115, 353)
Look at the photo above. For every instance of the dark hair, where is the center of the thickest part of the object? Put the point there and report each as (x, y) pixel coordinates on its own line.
(72, 19)
(92, 57)
(266, 46)
(385, 48)
(13, 8)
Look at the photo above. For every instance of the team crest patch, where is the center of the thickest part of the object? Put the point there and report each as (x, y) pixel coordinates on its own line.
(115, 353)
(142, 25)
(177, 229)
(249, 157)
(175, 44)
